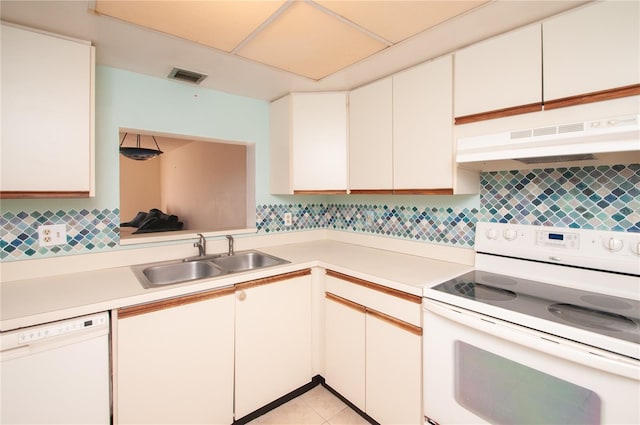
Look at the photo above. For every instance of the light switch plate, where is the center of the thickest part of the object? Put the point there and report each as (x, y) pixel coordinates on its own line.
(52, 234)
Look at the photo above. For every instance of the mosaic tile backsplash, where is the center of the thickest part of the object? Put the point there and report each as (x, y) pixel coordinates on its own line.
(602, 198)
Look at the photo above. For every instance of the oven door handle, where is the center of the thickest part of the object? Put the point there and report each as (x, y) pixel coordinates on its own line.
(532, 339)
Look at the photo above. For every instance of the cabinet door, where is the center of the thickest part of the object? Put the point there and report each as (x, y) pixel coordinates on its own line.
(423, 126)
(594, 48)
(394, 374)
(319, 132)
(499, 73)
(273, 340)
(175, 365)
(46, 140)
(371, 137)
(344, 355)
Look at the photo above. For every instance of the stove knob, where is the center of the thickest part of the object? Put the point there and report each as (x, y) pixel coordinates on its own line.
(491, 234)
(635, 247)
(613, 244)
(510, 234)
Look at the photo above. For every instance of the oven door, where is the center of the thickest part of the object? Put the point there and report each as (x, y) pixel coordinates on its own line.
(481, 370)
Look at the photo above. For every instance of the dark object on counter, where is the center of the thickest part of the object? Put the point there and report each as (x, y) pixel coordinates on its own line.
(154, 221)
(136, 221)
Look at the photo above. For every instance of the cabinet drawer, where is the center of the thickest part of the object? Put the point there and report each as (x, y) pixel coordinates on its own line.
(392, 302)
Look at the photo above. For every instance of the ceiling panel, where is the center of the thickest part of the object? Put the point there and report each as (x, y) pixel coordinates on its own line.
(219, 24)
(136, 48)
(398, 20)
(306, 41)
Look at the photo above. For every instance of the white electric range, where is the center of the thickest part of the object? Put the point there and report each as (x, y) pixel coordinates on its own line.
(546, 329)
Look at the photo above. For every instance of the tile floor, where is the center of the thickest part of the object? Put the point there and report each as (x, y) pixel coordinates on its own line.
(315, 407)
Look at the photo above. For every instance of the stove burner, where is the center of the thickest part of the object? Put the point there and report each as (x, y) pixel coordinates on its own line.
(591, 318)
(478, 291)
(499, 279)
(606, 302)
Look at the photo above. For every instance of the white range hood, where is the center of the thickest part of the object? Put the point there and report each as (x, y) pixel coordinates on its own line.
(610, 140)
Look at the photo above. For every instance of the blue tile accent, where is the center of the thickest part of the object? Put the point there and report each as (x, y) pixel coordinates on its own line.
(601, 198)
(87, 231)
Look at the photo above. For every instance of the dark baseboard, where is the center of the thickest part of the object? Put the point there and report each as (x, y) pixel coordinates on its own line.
(315, 381)
(348, 403)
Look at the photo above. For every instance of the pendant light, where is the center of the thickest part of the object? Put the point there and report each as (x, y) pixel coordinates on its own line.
(137, 153)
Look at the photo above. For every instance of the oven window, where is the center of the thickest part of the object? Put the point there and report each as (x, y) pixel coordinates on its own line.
(502, 391)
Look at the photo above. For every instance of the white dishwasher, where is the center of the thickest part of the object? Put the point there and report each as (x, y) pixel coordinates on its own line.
(56, 373)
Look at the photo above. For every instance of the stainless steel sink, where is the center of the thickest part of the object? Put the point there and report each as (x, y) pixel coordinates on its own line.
(247, 260)
(178, 271)
(175, 272)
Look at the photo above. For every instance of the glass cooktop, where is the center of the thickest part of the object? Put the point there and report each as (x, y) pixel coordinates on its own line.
(604, 314)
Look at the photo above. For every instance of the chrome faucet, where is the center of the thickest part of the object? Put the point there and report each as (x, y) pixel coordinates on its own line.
(201, 245)
(230, 239)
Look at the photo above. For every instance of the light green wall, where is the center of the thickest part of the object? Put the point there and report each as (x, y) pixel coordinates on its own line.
(131, 100)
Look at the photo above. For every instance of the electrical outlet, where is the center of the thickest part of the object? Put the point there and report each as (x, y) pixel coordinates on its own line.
(52, 234)
(288, 219)
(369, 217)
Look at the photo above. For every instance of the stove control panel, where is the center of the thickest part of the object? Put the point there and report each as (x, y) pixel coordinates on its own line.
(557, 239)
(602, 250)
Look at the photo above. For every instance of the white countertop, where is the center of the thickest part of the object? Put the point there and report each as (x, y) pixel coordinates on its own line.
(45, 299)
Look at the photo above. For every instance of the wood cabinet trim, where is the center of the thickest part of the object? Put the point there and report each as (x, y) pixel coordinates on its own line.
(201, 296)
(435, 191)
(581, 99)
(320, 192)
(136, 310)
(345, 302)
(598, 96)
(272, 279)
(10, 194)
(498, 113)
(416, 330)
(377, 287)
(371, 191)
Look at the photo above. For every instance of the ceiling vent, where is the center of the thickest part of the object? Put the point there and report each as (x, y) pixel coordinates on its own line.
(187, 76)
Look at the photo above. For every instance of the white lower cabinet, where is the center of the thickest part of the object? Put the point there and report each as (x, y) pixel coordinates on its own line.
(217, 356)
(393, 382)
(174, 361)
(345, 349)
(372, 357)
(273, 339)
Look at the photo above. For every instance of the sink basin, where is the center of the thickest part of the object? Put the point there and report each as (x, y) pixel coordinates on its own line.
(177, 271)
(167, 274)
(247, 260)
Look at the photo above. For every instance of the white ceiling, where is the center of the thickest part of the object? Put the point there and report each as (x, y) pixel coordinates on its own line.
(309, 38)
(238, 61)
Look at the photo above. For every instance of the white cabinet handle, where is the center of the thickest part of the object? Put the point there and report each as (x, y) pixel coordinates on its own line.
(241, 295)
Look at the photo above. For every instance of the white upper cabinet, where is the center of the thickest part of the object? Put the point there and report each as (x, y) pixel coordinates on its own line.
(423, 127)
(308, 143)
(401, 134)
(371, 137)
(47, 115)
(499, 73)
(594, 48)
